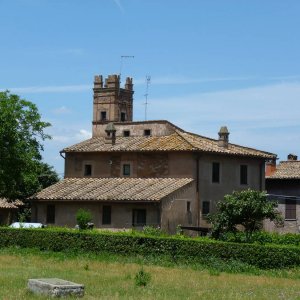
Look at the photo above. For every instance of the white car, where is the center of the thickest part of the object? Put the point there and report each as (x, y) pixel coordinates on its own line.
(26, 225)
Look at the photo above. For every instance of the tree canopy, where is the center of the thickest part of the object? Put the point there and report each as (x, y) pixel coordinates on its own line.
(247, 208)
(21, 137)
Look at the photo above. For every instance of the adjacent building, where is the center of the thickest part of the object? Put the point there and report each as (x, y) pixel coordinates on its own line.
(131, 174)
(283, 185)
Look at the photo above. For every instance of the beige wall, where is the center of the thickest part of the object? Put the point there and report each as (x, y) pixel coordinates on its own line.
(174, 209)
(121, 213)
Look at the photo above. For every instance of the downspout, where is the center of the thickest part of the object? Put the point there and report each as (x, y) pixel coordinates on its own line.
(197, 189)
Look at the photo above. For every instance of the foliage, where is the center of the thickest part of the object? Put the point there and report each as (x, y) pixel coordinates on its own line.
(142, 278)
(153, 231)
(83, 217)
(175, 249)
(46, 175)
(262, 237)
(247, 208)
(21, 133)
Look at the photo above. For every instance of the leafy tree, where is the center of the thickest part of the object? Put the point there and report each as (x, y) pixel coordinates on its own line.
(46, 175)
(247, 208)
(21, 136)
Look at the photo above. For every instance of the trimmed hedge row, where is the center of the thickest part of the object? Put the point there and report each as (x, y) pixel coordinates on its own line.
(177, 249)
(263, 238)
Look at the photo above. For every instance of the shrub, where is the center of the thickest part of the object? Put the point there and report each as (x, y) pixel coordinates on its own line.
(153, 231)
(142, 278)
(174, 249)
(83, 217)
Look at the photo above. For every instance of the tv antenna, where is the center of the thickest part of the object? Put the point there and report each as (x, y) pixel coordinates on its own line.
(148, 79)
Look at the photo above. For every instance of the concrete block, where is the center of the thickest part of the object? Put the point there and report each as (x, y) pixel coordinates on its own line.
(55, 287)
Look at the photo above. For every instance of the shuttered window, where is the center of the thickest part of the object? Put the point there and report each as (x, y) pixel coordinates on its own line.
(290, 209)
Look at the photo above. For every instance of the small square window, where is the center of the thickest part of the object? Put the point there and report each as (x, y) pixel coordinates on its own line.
(87, 170)
(126, 169)
(244, 174)
(103, 115)
(126, 133)
(147, 132)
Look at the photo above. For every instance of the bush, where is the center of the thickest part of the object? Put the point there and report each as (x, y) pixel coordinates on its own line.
(153, 231)
(174, 249)
(83, 217)
(142, 278)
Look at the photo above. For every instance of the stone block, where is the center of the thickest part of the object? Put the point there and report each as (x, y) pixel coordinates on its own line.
(55, 287)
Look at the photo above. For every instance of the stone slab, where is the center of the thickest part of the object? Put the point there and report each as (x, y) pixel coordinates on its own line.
(55, 287)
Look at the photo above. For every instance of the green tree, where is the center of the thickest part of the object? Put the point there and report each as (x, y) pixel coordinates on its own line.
(46, 175)
(247, 208)
(21, 136)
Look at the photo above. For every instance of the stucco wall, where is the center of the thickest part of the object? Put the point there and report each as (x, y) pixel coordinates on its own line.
(121, 213)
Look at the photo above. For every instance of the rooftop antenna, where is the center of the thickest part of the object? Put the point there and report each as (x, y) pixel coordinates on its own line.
(148, 79)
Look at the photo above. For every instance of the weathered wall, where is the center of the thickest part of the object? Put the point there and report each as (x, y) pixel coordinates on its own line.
(174, 209)
(121, 213)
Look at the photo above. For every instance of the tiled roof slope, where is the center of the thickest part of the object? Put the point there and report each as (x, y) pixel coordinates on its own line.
(4, 203)
(114, 189)
(287, 170)
(177, 141)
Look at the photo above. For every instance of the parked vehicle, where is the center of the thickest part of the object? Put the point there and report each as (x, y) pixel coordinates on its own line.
(27, 225)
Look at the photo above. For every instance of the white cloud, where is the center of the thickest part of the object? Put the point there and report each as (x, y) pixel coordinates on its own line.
(62, 110)
(72, 137)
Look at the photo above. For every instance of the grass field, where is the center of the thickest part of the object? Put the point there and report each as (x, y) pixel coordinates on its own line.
(112, 277)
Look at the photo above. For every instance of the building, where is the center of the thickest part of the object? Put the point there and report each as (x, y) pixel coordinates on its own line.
(9, 210)
(131, 174)
(283, 185)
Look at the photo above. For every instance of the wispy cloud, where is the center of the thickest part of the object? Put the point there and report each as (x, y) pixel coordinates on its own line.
(62, 110)
(120, 6)
(50, 89)
(72, 138)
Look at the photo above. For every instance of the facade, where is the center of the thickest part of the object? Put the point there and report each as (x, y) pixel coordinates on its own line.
(131, 174)
(283, 185)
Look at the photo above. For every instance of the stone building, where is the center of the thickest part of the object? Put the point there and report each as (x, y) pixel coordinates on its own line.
(131, 174)
(283, 185)
(9, 210)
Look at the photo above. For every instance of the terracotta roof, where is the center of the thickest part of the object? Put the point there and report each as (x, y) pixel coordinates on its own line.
(4, 203)
(114, 189)
(178, 141)
(287, 170)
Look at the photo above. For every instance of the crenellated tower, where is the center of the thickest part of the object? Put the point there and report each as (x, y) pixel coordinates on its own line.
(111, 102)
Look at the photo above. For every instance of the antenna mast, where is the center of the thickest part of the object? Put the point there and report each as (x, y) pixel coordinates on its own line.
(148, 79)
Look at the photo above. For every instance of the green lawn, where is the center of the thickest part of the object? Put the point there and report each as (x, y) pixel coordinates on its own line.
(113, 278)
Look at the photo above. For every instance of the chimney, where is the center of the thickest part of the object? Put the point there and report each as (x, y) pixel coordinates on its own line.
(292, 157)
(270, 167)
(223, 137)
(110, 134)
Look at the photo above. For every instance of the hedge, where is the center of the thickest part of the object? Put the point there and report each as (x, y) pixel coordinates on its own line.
(178, 249)
(263, 238)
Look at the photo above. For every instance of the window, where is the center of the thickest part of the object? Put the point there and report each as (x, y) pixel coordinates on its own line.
(139, 217)
(103, 116)
(290, 209)
(126, 169)
(106, 214)
(123, 117)
(126, 133)
(87, 170)
(188, 206)
(244, 174)
(205, 208)
(216, 172)
(147, 132)
(50, 214)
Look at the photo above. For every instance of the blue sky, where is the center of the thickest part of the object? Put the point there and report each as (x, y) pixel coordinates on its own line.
(212, 63)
